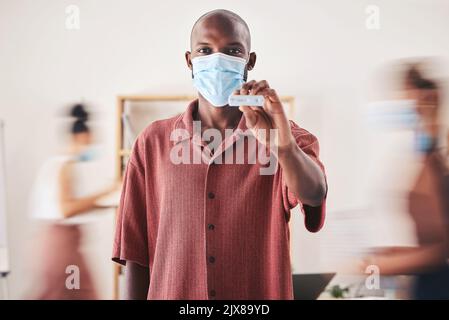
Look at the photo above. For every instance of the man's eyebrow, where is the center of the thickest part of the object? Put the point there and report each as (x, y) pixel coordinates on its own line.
(235, 44)
(229, 44)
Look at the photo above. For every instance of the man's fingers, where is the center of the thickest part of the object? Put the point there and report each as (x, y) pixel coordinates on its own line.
(270, 94)
(244, 108)
(246, 87)
(250, 116)
(273, 104)
(254, 87)
(259, 86)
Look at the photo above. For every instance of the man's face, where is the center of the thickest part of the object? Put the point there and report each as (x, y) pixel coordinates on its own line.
(216, 34)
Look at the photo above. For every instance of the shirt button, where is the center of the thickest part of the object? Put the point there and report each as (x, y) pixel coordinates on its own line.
(212, 293)
(211, 195)
(211, 259)
(211, 227)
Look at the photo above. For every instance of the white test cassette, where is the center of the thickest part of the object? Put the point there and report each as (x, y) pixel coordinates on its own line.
(246, 100)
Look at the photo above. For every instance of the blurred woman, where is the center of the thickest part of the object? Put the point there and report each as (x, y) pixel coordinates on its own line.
(428, 201)
(59, 199)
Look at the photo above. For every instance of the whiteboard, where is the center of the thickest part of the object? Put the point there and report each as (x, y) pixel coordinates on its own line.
(4, 263)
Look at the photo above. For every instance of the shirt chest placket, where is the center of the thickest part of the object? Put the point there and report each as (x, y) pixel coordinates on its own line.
(212, 203)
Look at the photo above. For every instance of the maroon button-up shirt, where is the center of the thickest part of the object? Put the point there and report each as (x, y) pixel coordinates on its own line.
(208, 230)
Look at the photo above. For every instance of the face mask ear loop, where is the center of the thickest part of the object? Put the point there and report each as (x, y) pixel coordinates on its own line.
(245, 74)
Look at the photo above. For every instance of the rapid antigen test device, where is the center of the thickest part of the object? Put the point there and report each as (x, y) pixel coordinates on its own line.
(246, 100)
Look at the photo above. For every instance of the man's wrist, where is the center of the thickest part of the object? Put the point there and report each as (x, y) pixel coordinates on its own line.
(287, 150)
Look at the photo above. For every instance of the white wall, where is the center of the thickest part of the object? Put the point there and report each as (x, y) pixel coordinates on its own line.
(316, 50)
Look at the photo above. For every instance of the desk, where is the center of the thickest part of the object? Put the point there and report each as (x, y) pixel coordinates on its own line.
(391, 287)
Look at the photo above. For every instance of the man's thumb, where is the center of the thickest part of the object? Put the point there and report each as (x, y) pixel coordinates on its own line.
(250, 116)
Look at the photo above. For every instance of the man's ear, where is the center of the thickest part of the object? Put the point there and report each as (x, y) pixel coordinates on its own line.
(188, 59)
(251, 61)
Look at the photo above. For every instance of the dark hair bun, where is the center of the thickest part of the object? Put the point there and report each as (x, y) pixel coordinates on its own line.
(415, 78)
(79, 112)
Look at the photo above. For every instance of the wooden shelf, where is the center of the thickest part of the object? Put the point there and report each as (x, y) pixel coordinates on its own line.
(124, 152)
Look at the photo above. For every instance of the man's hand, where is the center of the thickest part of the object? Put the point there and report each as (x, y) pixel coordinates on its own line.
(271, 116)
(302, 175)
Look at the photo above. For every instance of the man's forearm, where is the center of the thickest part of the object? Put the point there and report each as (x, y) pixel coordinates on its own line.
(137, 281)
(302, 175)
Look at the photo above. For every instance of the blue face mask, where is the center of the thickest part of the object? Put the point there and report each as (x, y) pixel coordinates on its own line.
(217, 76)
(424, 143)
(88, 154)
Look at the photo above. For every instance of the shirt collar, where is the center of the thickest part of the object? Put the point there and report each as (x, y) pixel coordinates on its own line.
(185, 121)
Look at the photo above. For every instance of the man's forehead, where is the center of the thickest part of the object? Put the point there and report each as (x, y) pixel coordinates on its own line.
(220, 27)
(210, 34)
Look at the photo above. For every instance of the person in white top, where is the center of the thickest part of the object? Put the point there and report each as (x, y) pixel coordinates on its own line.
(57, 198)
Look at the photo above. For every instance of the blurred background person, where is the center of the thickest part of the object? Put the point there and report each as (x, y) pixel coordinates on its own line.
(428, 198)
(60, 201)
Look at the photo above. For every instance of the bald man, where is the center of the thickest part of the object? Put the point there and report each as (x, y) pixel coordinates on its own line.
(198, 219)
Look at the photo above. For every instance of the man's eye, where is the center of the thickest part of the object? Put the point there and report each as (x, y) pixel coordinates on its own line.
(204, 50)
(235, 51)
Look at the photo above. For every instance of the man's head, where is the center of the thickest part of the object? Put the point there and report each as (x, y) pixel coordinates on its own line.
(221, 31)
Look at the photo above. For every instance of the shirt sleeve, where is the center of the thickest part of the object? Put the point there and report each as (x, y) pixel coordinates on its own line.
(313, 216)
(131, 237)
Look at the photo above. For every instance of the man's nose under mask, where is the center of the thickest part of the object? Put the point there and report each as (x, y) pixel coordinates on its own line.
(217, 76)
